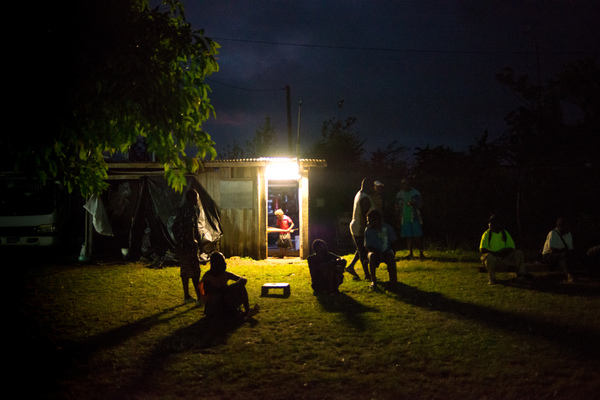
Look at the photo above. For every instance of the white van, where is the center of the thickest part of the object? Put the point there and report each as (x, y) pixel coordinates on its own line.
(31, 213)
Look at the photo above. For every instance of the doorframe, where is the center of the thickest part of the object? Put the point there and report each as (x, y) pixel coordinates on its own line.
(296, 250)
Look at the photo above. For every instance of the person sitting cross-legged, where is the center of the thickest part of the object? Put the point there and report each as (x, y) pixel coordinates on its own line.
(497, 250)
(380, 239)
(326, 269)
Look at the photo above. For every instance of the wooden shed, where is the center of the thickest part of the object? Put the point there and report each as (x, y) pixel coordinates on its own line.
(248, 191)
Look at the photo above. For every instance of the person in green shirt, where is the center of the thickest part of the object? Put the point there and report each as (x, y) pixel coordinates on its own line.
(497, 250)
(408, 205)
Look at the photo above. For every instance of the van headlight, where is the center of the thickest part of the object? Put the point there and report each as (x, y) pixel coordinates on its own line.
(48, 228)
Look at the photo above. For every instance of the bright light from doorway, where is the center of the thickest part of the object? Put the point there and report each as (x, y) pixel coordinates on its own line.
(284, 169)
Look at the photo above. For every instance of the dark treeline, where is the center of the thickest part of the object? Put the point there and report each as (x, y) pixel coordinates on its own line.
(545, 166)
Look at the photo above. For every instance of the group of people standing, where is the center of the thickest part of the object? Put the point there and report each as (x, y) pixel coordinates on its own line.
(375, 239)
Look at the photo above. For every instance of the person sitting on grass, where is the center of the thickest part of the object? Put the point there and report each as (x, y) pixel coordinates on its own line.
(497, 250)
(326, 269)
(380, 240)
(222, 299)
(558, 249)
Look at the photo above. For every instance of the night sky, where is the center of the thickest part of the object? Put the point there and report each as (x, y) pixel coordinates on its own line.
(416, 72)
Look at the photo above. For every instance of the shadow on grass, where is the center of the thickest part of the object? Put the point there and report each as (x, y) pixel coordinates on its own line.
(351, 309)
(588, 284)
(580, 340)
(202, 336)
(555, 283)
(71, 359)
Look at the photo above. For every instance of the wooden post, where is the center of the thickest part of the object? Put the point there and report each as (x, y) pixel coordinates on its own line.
(304, 223)
(262, 213)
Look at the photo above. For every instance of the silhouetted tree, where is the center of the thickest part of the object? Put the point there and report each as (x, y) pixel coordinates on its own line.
(231, 151)
(553, 141)
(339, 144)
(102, 74)
(264, 142)
(390, 160)
(442, 175)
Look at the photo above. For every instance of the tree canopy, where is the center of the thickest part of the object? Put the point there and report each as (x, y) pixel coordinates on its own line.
(264, 142)
(99, 75)
(339, 144)
(558, 120)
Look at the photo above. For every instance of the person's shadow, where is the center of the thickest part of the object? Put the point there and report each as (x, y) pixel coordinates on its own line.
(581, 340)
(206, 333)
(204, 336)
(351, 309)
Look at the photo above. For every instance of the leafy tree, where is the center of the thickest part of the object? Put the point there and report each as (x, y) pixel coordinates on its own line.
(578, 86)
(264, 142)
(339, 144)
(558, 120)
(442, 175)
(232, 151)
(389, 160)
(553, 140)
(112, 71)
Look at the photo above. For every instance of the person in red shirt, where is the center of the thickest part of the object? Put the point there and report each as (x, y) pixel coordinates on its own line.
(286, 224)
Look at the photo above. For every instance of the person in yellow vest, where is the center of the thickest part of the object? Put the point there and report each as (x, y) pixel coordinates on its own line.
(497, 250)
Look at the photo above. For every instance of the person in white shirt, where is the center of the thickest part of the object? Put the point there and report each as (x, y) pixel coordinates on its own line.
(362, 205)
(558, 248)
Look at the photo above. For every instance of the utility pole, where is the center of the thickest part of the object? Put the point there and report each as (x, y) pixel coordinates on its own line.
(289, 121)
(298, 134)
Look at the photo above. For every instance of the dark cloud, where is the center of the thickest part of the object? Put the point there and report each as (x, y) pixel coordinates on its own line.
(419, 72)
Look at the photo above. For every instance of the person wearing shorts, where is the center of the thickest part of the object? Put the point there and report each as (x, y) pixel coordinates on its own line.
(285, 223)
(408, 216)
(187, 237)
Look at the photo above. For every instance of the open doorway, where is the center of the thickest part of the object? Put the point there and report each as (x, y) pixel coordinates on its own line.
(283, 194)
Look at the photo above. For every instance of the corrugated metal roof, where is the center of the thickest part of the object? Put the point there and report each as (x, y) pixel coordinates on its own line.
(264, 161)
(149, 167)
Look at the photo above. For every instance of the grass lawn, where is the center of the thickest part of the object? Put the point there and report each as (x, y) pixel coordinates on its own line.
(121, 331)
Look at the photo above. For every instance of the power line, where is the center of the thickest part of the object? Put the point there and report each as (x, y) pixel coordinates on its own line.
(245, 89)
(398, 50)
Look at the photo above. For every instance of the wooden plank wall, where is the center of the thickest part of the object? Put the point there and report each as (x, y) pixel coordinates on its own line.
(241, 227)
(239, 233)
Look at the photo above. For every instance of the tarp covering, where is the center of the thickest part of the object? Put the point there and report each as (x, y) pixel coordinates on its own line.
(101, 222)
(141, 213)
